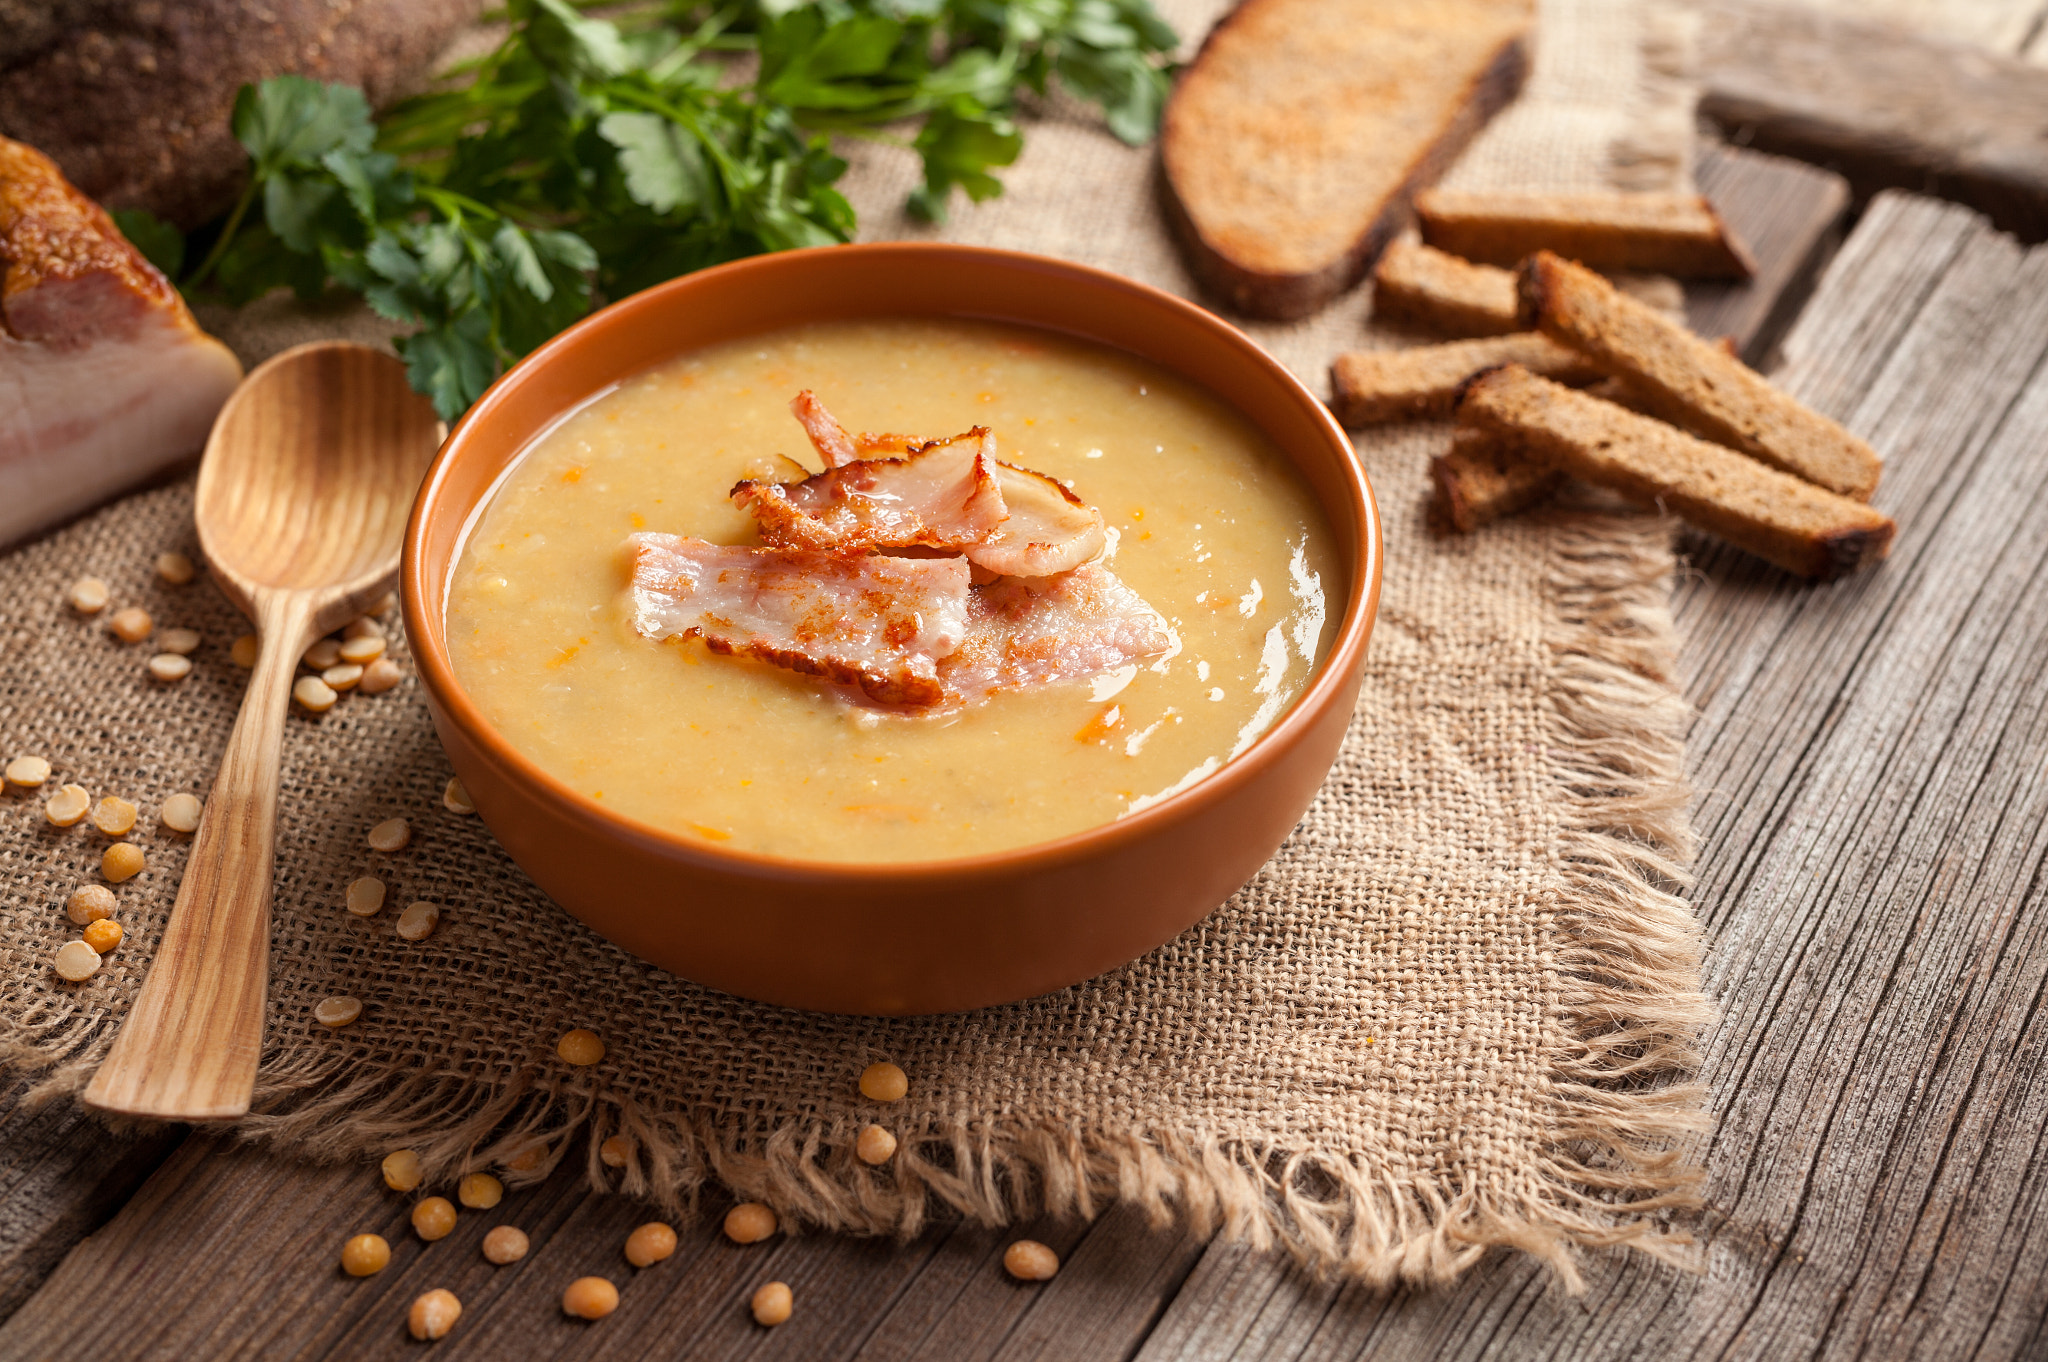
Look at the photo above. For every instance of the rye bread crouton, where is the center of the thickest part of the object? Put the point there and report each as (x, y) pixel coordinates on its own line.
(1691, 382)
(1422, 286)
(1676, 234)
(1486, 475)
(1779, 518)
(1373, 386)
(1294, 142)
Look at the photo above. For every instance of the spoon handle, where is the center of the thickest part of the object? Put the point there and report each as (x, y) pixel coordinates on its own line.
(188, 1049)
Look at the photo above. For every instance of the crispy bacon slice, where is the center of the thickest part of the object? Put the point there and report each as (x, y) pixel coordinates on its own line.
(105, 379)
(1048, 529)
(944, 495)
(879, 623)
(828, 437)
(1040, 631)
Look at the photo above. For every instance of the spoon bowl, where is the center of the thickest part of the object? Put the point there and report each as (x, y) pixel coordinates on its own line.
(304, 490)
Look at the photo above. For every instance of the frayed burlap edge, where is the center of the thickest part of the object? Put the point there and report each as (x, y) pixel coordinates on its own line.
(1624, 989)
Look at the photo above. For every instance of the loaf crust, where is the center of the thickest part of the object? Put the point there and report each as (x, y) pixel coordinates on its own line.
(1676, 234)
(1293, 145)
(1691, 382)
(1801, 528)
(1399, 385)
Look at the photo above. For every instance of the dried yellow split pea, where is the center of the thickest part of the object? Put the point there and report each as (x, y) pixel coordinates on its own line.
(433, 1314)
(88, 595)
(322, 655)
(455, 797)
(68, 805)
(362, 628)
(180, 813)
(170, 667)
(122, 861)
(27, 771)
(883, 1082)
(874, 1145)
(401, 1168)
(479, 1191)
(580, 1047)
(183, 642)
(337, 1012)
(313, 694)
(175, 568)
(390, 835)
(505, 1244)
(772, 1304)
(433, 1218)
(114, 816)
(1030, 1261)
(365, 1254)
(363, 651)
(616, 1151)
(76, 961)
(650, 1244)
(381, 676)
(366, 896)
(749, 1223)
(245, 650)
(342, 676)
(590, 1298)
(419, 920)
(131, 625)
(89, 903)
(102, 935)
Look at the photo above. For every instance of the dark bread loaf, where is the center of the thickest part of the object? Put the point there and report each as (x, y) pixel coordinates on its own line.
(1423, 286)
(1676, 234)
(1295, 141)
(1372, 386)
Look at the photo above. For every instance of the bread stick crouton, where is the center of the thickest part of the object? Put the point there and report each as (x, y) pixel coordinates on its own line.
(1779, 518)
(1678, 234)
(1423, 286)
(1398, 385)
(1485, 475)
(1691, 382)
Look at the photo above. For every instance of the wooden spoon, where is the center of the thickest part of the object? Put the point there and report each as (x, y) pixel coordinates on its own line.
(303, 495)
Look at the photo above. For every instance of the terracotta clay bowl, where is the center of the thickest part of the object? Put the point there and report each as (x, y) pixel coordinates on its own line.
(913, 937)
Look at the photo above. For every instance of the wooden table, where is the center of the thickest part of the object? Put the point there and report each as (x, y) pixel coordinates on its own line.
(1871, 762)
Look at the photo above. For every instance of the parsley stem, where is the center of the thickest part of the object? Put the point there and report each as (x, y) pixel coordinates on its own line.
(227, 234)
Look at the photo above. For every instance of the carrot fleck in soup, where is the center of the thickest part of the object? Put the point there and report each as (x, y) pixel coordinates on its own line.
(594, 615)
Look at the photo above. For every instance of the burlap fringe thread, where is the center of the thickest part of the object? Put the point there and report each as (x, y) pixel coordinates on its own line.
(1621, 1108)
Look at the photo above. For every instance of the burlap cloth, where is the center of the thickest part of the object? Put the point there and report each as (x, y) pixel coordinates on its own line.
(1454, 1011)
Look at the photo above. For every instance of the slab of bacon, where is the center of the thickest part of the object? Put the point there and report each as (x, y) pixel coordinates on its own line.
(858, 619)
(827, 598)
(105, 379)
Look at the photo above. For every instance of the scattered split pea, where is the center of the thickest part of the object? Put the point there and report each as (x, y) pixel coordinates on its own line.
(114, 816)
(131, 625)
(433, 1218)
(68, 805)
(180, 813)
(393, 834)
(874, 1145)
(749, 1223)
(244, 651)
(649, 1244)
(365, 1254)
(175, 568)
(381, 676)
(433, 1314)
(322, 655)
(314, 695)
(580, 1047)
(88, 595)
(183, 642)
(419, 920)
(366, 896)
(401, 1170)
(102, 935)
(122, 861)
(77, 961)
(883, 1082)
(772, 1303)
(616, 1151)
(479, 1191)
(505, 1244)
(455, 798)
(336, 1013)
(590, 1298)
(1030, 1261)
(27, 771)
(89, 903)
(168, 667)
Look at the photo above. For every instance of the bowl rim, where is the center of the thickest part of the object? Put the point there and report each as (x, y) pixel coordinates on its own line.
(426, 633)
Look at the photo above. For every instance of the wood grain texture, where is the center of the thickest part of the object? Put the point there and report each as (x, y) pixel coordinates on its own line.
(1871, 761)
(1885, 107)
(1791, 217)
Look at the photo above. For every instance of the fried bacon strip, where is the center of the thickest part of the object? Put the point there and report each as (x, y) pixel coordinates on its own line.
(1040, 631)
(942, 495)
(828, 437)
(1048, 529)
(879, 623)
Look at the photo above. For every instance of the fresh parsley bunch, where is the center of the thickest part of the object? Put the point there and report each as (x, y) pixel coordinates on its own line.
(586, 158)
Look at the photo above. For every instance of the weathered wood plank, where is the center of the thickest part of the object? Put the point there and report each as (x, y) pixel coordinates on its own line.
(1872, 767)
(1881, 105)
(62, 1174)
(1999, 25)
(1791, 216)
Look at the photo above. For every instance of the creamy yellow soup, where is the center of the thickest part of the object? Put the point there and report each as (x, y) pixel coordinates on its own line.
(1207, 521)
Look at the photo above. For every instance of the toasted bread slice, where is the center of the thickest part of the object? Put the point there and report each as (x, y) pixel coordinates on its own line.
(1295, 141)
(1372, 386)
(1423, 286)
(1692, 382)
(1800, 527)
(1678, 234)
(1486, 475)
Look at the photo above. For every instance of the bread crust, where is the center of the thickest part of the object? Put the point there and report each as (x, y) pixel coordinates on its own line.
(1485, 476)
(1800, 527)
(1690, 382)
(1422, 286)
(1373, 386)
(1212, 119)
(1675, 234)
